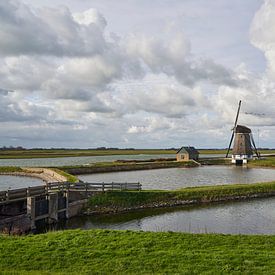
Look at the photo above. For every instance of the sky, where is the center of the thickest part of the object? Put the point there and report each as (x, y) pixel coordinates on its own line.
(135, 73)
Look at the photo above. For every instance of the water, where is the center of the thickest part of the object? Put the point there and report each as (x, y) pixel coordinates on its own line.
(247, 217)
(176, 178)
(47, 162)
(14, 182)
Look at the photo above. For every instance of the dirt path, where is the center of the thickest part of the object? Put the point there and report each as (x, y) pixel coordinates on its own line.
(45, 174)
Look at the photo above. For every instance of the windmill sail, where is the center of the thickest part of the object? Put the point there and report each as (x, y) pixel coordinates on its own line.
(233, 130)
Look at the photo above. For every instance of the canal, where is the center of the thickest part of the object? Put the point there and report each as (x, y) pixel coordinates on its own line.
(245, 217)
(47, 162)
(176, 178)
(13, 182)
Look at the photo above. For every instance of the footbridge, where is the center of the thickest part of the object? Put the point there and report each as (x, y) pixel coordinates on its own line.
(21, 209)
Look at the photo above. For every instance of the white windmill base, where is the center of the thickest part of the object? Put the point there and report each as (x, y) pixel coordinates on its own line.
(241, 159)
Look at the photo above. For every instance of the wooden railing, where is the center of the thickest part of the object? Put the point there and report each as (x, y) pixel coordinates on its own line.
(23, 193)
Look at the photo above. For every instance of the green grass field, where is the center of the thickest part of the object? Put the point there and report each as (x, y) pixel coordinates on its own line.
(117, 201)
(128, 252)
(267, 162)
(10, 169)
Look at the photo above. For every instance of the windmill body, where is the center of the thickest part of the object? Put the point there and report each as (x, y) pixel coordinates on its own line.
(242, 148)
(243, 143)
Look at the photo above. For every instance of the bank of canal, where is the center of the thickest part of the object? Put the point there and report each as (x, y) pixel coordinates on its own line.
(255, 216)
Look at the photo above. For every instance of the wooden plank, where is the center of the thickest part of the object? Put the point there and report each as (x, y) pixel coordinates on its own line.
(36, 191)
(14, 191)
(34, 188)
(17, 193)
(3, 195)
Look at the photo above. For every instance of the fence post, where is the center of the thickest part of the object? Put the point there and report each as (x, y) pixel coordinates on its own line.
(120, 186)
(67, 204)
(112, 186)
(86, 189)
(8, 194)
(103, 187)
(28, 192)
(53, 207)
(31, 210)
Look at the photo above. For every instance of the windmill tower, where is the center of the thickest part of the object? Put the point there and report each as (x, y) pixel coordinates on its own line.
(243, 142)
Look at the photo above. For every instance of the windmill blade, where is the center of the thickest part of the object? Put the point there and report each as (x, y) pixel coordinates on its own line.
(237, 116)
(254, 145)
(235, 124)
(229, 144)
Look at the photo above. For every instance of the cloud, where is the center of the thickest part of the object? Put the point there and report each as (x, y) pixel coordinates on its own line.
(25, 72)
(14, 108)
(91, 16)
(78, 77)
(171, 55)
(156, 98)
(262, 34)
(49, 31)
(257, 97)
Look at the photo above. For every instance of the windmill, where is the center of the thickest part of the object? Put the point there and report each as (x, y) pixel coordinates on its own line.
(243, 142)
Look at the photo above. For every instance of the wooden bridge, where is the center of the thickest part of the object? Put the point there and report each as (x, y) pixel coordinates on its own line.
(23, 193)
(50, 202)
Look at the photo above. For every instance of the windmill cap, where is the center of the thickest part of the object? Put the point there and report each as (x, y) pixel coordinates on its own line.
(242, 129)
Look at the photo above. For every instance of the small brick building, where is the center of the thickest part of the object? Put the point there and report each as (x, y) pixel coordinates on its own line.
(187, 153)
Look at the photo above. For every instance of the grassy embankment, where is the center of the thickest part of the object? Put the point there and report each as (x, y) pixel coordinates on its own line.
(267, 162)
(128, 252)
(10, 169)
(103, 167)
(69, 177)
(129, 200)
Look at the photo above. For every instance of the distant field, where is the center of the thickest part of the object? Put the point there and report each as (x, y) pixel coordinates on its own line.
(57, 153)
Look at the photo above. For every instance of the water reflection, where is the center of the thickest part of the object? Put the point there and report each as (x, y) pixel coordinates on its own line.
(247, 217)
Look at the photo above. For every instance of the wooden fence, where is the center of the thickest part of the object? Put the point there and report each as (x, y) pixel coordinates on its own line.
(24, 193)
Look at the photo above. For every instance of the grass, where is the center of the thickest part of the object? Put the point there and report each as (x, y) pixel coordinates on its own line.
(104, 167)
(10, 169)
(128, 252)
(267, 162)
(215, 161)
(69, 177)
(109, 201)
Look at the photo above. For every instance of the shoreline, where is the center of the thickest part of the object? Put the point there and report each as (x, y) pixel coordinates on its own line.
(45, 174)
(175, 204)
(135, 166)
(124, 201)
